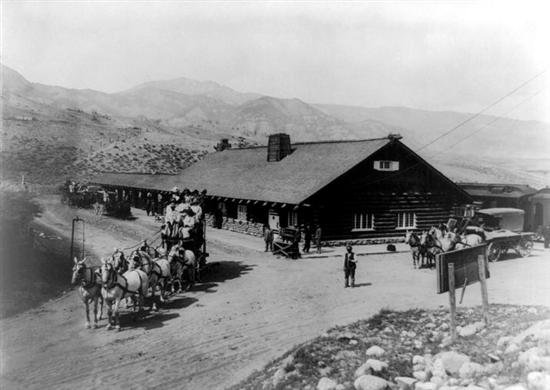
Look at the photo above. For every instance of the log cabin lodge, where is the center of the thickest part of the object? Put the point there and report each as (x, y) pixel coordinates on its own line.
(358, 191)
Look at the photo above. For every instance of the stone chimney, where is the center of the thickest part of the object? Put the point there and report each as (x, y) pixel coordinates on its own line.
(278, 147)
(222, 145)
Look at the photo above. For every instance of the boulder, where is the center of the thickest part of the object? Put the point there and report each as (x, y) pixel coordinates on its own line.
(376, 365)
(511, 348)
(538, 380)
(370, 382)
(375, 351)
(364, 369)
(470, 330)
(405, 382)
(534, 359)
(470, 370)
(425, 386)
(279, 376)
(502, 341)
(452, 361)
(417, 359)
(421, 376)
(326, 384)
(288, 363)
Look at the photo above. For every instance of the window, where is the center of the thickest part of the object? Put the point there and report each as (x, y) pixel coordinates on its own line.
(363, 221)
(386, 165)
(292, 218)
(241, 212)
(406, 220)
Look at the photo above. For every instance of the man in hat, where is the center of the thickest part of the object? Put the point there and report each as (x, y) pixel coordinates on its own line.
(307, 238)
(318, 238)
(349, 266)
(268, 238)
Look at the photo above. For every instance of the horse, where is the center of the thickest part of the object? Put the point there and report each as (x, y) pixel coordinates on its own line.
(183, 263)
(466, 240)
(157, 273)
(119, 261)
(89, 289)
(430, 245)
(412, 239)
(116, 287)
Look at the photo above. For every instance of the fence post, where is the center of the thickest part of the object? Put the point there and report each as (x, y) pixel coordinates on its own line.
(452, 300)
(483, 283)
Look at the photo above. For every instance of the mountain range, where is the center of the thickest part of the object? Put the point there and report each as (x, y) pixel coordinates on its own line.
(109, 131)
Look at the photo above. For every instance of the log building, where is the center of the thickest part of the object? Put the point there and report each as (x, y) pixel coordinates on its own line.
(358, 191)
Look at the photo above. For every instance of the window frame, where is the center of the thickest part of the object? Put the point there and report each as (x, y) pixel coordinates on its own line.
(402, 216)
(292, 218)
(363, 215)
(393, 165)
(240, 212)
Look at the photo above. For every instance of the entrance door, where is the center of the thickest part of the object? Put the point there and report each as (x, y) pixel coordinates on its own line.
(273, 219)
(538, 215)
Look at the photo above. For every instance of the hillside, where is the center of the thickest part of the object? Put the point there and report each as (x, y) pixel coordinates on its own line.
(50, 132)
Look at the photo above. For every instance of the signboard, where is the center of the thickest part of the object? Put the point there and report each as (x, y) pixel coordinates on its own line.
(466, 269)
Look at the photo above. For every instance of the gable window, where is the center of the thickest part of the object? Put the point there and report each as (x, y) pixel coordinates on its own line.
(292, 218)
(363, 221)
(241, 212)
(386, 165)
(406, 220)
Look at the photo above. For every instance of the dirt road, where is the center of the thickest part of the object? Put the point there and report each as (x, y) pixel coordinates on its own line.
(249, 310)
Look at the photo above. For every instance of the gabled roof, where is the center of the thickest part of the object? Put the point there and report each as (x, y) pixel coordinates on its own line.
(497, 190)
(245, 173)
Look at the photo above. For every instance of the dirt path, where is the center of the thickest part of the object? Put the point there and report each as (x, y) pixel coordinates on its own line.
(249, 310)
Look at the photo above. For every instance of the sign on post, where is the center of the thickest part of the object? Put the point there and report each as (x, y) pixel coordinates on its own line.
(466, 270)
(461, 268)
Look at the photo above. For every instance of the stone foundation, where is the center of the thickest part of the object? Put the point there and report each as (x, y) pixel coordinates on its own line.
(236, 225)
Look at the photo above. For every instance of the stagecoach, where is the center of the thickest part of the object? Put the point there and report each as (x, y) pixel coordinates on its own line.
(503, 229)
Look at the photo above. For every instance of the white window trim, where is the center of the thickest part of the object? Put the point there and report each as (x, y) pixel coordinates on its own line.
(407, 227)
(363, 229)
(240, 212)
(394, 165)
(290, 215)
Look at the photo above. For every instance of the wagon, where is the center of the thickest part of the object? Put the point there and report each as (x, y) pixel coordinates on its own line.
(504, 231)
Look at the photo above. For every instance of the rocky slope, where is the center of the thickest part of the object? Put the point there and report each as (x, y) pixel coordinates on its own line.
(412, 350)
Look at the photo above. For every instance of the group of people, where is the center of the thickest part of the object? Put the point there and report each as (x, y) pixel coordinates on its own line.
(308, 232)
(183, 220)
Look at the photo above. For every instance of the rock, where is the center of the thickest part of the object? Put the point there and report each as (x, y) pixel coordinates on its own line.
(438, 369)
(417, 359)
(494, 358)
(370, 382)
(364, 369)
(353, 342)
(421, 376)
(444, 326)
(419, 367)
(425, 386)
(429, 325)
(452, 361)
(533, 310)
(533, 360)
(538, 380)
(511, 348)
(470, 330)
(376, 365)
(418, 344)
(288, 363)
(493, 368)
(517, 386)
(340, 387)
(474, 387)
(375, 351)
(437, 380)
(279, 376)
(405, 382)
(470, 370)
(345, 355)
(345, 336)
(502, 341)
(326, 384)
(325, 371)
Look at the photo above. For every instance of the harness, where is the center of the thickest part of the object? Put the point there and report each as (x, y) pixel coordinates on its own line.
(113, 282)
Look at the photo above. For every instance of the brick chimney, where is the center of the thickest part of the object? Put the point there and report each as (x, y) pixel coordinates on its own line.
(278, 147)
(222, 145)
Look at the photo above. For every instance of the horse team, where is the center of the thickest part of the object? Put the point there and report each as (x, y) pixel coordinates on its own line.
(426, 246)
(147, 273)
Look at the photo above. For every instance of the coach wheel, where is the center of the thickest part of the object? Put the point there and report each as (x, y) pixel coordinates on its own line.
(524, 248)
(493, 252)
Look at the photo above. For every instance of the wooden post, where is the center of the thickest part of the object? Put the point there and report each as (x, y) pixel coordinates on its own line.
(483, 283)
(452, 301)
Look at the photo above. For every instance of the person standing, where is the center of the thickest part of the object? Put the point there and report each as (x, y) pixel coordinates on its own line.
(349, 266)
(546, 235)
(307, 238)
(318, 233)
(268, 238)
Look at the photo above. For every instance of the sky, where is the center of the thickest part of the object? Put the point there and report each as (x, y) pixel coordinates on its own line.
(459, 56)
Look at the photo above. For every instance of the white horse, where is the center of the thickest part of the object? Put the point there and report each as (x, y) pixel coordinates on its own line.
(116, 287)
(89, 289)
(183, 264)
